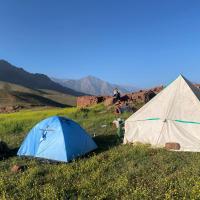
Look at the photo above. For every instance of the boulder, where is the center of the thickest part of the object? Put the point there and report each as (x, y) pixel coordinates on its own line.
(172, 146)
(142, 96)
(109, 101)
(124, 98)
(18, 168)
(148, 95)
(157, 89)
(86, 101)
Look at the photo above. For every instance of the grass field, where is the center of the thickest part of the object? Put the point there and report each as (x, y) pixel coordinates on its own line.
(114, 171)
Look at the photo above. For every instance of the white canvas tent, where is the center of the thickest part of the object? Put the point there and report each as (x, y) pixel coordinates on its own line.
(171, 116)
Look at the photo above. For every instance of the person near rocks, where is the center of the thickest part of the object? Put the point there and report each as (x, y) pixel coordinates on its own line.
(118, 108)
(116, 94)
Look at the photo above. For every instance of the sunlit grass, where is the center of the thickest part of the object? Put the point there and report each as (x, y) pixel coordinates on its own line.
(114, 171)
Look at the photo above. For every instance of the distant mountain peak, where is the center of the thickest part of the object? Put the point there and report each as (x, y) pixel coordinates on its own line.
(89, 76)
(4, 61)
(93, 85)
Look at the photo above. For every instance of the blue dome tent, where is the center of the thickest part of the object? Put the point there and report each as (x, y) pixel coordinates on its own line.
(57, 138)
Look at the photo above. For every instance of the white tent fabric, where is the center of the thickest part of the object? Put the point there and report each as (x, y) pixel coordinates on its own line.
(171, 116)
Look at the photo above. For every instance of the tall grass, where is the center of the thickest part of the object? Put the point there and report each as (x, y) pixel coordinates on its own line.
(114, 171)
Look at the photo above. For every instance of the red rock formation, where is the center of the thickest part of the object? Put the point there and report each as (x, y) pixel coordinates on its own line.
(109, 101)
(157, 89)
(86, 101)
(142, 96)
(197, 85)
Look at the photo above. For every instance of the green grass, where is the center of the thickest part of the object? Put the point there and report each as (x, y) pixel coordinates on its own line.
(114, 171)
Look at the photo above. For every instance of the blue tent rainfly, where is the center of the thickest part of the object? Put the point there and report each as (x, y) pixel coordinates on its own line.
(57, 138)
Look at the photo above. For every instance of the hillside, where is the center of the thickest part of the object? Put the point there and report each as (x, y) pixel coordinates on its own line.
(12, 94)
(93, 85)
(12, 74)
(113, 171)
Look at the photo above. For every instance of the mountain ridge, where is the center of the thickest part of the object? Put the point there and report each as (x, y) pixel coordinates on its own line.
(93, 85)
(17, 75)
(14, 95)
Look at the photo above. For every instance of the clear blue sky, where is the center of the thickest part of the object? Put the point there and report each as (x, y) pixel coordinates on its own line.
(139, 42)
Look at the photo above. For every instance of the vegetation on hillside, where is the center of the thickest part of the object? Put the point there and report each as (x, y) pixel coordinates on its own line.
(12, 94)
(114, 171)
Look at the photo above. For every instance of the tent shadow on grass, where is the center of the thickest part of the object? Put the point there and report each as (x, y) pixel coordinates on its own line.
(106, 142)
(10, 153)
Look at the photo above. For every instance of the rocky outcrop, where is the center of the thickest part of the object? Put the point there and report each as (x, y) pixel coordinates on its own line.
(158, 89)
(10, 109)
(86, 101)
(142, 96)
(109, 101)
(197, 85)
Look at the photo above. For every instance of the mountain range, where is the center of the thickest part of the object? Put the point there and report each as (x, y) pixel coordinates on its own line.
(93, 86)
(18, 86)
(16, 75)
